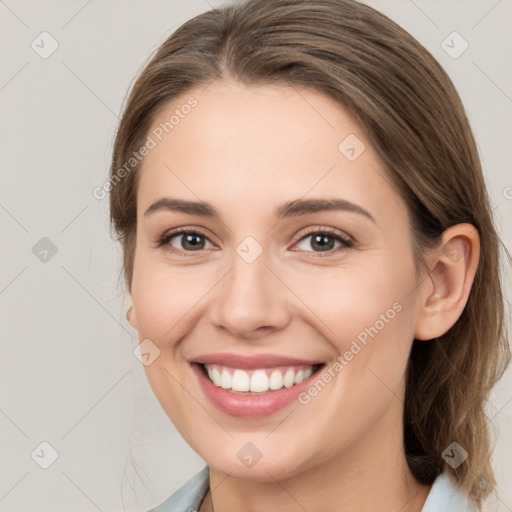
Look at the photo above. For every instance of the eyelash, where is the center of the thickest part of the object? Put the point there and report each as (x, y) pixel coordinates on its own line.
(345, 241)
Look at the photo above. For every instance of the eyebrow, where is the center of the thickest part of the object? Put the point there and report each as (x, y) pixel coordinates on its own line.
(289, 209)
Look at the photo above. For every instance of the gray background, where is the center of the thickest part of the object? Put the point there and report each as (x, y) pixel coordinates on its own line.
(68, 375)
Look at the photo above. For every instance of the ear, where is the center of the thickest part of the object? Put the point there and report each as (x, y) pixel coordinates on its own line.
(446, 289)
(131, 317)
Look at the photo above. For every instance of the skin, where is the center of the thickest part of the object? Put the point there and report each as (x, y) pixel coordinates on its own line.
(246, 150)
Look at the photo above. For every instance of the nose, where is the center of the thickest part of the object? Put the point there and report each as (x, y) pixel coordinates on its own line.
(251, 301)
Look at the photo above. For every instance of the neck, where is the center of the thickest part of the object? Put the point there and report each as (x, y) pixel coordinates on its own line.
(370, 475)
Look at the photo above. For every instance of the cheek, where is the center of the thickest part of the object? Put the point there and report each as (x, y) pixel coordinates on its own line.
(374, 332)
(359, 301)
(164, 296)
(166, 301)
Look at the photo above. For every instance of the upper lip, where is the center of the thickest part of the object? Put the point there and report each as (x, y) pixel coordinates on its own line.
(251, 362)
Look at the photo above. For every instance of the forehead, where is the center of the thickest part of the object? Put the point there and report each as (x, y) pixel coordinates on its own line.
(257, 144)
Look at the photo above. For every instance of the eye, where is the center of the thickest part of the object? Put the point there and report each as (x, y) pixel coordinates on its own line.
(185, 240)
(324, 240)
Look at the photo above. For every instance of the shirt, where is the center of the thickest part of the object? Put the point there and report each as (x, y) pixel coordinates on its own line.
(444, 496)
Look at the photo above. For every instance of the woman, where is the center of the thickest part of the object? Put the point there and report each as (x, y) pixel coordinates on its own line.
(312, 262)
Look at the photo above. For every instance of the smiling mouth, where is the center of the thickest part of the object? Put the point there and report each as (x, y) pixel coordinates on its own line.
(257, 381)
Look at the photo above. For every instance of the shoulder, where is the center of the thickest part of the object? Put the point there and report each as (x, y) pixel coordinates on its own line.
(445, 496)
(189, 496)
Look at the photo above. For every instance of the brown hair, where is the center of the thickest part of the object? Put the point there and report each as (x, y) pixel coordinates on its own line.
(414, 118)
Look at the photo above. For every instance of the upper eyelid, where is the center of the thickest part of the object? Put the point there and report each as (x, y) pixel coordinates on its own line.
(329, 231)
(344, 237)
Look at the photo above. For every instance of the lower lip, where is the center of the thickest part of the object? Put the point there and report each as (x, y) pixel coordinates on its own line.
(250, 406)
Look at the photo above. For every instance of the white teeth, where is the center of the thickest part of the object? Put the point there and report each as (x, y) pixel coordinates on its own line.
(276, 380)
(256, 381)
(289, 378)
(215, 376)
(240, 381)
(225, 379)
(259, 381)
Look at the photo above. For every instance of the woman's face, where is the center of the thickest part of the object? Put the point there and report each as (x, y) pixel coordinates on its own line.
(257, 277)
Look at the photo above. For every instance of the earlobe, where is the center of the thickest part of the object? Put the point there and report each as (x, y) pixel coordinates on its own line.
(446, 290)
